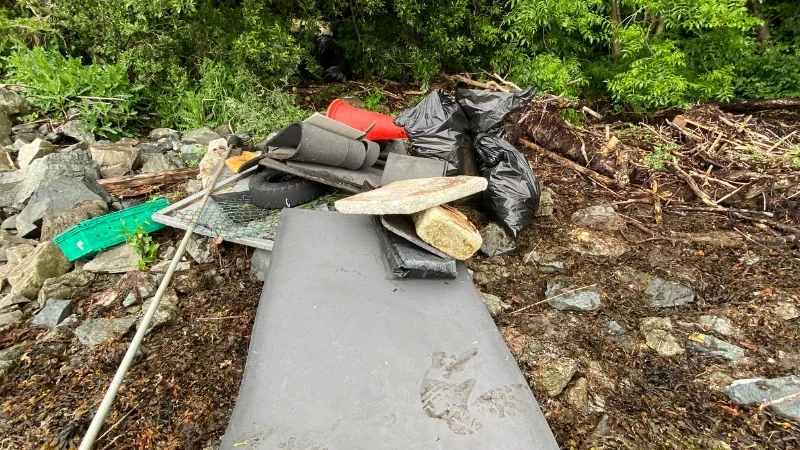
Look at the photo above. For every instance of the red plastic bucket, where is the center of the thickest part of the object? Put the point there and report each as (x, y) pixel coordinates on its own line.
(361, 119)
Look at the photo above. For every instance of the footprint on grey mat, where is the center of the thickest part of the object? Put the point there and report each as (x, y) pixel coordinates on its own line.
(253, 440)
(504, 401)
(295, 443)
(446, 400)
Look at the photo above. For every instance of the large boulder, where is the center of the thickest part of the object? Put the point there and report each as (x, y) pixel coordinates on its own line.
(67, 286)
(11, 105)
(156, 163)
(17, 187)
(115, 160)
(120, 259)
(35, 150)
(97, 331)
(78, 130)
(56, 196)
(56, 223)
(200, 136)
(46, 261)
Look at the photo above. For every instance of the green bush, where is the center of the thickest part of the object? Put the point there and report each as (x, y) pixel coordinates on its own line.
(101, 93)
(188, 62)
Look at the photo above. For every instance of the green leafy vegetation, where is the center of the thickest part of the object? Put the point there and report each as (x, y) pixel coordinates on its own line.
(374, 100)
(145, 247)
(184, 63)
(660, 156)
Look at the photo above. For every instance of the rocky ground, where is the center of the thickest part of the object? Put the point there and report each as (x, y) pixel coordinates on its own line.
(684, 337)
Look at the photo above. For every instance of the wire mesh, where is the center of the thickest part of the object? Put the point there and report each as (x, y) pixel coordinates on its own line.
(234, 215)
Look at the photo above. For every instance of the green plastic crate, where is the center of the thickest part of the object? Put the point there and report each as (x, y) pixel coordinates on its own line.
(100, 233)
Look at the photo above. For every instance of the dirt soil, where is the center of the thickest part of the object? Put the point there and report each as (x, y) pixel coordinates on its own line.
(181, 391)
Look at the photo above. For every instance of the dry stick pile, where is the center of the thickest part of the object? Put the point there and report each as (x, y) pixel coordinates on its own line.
(746, 168)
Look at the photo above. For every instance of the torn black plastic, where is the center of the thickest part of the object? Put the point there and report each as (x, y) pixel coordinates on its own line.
(487, 110)
(512, 197)
(437, 128)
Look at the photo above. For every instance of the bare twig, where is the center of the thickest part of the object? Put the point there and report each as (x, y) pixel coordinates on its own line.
(705, 198)
(602, 179)
(218, 318)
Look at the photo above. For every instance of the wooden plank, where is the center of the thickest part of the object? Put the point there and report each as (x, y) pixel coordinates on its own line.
(170, 176)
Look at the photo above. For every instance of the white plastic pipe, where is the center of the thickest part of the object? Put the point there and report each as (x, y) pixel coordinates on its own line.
(105, 406)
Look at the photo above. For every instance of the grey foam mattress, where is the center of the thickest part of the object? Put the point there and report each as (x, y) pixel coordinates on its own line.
(345, 357)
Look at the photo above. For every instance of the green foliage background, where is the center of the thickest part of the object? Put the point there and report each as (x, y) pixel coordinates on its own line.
(191, 62)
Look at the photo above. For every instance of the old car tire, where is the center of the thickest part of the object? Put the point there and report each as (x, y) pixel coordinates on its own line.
(273, 189)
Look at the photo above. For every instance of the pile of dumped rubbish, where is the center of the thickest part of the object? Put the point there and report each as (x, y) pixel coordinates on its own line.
(409, 172)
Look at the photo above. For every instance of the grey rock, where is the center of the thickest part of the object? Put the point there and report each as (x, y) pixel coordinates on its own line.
(168, 253)
(5, 129)
(223, 130)
(155, 163)
(55, 196)
(656, 331)
(615, 328)
(45, 262)
(786, 311)
(554, 376)
(544, 262)
(10, 319)
(52, 137)
(194, 186)
(93, 332)
(199, 248)
(600, 217)
(9, 240)
(27, 137)
(115, 160)
(35, 150)
(53, 313)
(17, 187)
(145, 286)
(7, 162)
(568, 296)
(12, 104)
(200, 136)
(193, 152)
(546, 203)
(259, 263)
(166, 312)
(17, 253)
(577, 395)
(12, 301)
(496, 241)
(9, 358)
(162, 266)
(595, 243)
(10, 223)
(493, 303)
(666, 294)
(68, 286)
(120, 259)
(78, 130)
(164, 133)
(705, 343)
(56, 223)
(717, 324)
(752, 392)
(155, 147)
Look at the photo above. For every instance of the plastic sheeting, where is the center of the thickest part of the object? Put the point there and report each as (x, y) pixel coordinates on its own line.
(407, 260)
(512, 197)
(438, 128)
